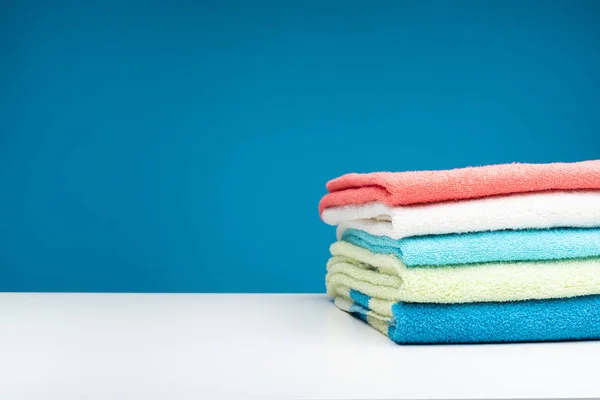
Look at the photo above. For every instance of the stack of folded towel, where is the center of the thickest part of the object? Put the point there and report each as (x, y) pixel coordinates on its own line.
(501, 253)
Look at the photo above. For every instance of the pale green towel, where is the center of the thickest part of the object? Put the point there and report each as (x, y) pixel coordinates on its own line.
(384, 278)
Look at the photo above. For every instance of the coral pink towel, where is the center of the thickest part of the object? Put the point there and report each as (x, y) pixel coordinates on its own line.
(404, 188)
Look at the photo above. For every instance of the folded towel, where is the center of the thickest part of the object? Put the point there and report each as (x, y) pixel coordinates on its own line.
(573, 318)
(521, 211)
(404, 188)
(387, 279)
(481, 247)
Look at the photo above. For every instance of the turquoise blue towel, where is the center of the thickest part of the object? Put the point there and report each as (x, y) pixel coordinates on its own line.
(466, 248)
(575, 318)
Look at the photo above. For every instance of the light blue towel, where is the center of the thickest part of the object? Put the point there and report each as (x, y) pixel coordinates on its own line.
(575, 318)
(466, 248)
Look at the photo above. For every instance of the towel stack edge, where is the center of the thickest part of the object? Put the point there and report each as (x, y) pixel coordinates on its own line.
(499, 262)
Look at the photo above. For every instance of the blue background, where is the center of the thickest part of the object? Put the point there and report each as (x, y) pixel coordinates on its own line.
(180, 146)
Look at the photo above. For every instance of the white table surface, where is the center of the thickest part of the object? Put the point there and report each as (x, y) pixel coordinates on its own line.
(203, 346)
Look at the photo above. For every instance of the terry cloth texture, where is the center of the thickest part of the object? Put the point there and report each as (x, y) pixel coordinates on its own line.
(575, 318)
(385, 278)
(522, 211)
(415, 187)
(481, 247)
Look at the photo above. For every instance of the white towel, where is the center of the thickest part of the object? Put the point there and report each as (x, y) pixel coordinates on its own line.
(520, 211)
